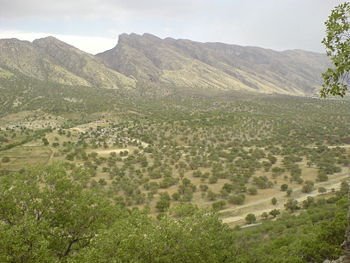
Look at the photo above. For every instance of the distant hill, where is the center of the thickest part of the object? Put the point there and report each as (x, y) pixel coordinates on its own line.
(49, 59)
(215, 66)
(164, 66)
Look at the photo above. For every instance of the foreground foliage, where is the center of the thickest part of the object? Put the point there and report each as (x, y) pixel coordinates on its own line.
(50, 215)
(337, 43)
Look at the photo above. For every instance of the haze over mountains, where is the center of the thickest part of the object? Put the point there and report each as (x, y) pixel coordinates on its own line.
(165, 65)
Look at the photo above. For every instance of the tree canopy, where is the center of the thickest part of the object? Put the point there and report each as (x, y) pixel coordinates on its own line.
(337, 43)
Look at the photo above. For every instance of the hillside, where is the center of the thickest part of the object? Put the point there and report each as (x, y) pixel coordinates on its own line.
(51, 60)
(215, 66)
(153, 66)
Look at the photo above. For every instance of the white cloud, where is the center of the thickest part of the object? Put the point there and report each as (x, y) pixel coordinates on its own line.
(88, 44)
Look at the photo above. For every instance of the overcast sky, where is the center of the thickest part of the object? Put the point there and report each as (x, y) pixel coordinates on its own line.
(94, 25)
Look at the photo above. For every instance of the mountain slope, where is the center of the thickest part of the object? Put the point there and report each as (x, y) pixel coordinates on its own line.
(22, 57)
(52, 60)
(153, 66)
(216, 66)
(82, 64)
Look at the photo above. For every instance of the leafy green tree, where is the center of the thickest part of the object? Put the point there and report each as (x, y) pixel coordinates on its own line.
(250, 219)
(337, 43)
(49, 212)
(252, 190)
(198, 237)
(264, 215)
(274, 213)
(292, 205)
(308, 187)
(211, 196)
(344, 188)
(274, 201)
(322, 176)
(25, 242)
(218, 205)
(45, 141)
(164, 202)
(284, 187)
(308, 202)
(237, 199)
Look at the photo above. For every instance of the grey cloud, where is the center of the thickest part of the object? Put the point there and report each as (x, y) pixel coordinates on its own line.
(97, 8)
(269, 23)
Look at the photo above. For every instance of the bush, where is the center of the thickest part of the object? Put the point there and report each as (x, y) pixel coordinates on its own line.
(308, 187)
(164, 203)
(213, 179)
(322, 176)
(322, 190)
(274, 201)
(252, 190)
(284, 187)
(250, 219)
(264, 215)
(5, 159)
(292, 205)
(262, 182)
(236, 199)
(219, 205)
(45, 141)
(274, 213)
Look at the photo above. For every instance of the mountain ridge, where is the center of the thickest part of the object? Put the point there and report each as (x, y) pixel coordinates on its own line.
(166, 65)
(151, 54)
(49, 59)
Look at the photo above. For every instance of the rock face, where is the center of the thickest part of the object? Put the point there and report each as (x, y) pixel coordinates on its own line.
(215, 66)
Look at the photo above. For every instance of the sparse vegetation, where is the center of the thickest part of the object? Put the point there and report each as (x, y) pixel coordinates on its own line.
(225, 158)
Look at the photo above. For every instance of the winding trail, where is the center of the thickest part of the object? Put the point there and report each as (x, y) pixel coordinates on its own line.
(237, 214)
